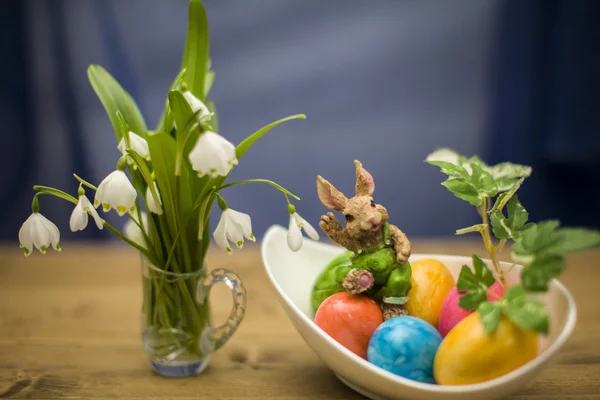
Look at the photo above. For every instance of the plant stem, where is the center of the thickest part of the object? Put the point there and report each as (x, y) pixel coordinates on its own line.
(84, 182)
(275, 185)
(488, 243)
(65, 196)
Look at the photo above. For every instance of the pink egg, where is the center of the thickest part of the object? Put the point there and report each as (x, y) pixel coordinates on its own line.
(452, 313)
(496, 288)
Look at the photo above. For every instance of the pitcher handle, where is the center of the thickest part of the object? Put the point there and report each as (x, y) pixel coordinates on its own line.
(214, 338)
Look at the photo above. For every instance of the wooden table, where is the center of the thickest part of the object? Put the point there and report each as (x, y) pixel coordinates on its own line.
(69, 328)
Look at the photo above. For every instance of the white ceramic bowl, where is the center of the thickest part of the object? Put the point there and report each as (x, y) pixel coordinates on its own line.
(293, 274)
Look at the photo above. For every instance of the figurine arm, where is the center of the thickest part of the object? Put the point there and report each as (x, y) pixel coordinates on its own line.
(401, 244)
(332, 228)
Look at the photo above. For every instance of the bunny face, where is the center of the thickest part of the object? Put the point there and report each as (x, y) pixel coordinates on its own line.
(362, 215)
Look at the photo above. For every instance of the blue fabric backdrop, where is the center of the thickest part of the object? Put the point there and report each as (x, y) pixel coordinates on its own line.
(385, 82)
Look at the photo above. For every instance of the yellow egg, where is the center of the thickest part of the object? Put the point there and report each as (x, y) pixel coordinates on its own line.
(468, 354)
(431, 281)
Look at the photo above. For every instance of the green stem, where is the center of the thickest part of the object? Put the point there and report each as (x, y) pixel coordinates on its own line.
(172, 251)
(84, 182)
(65, 196)
(487, 241)
(275, 185)
(187, 262)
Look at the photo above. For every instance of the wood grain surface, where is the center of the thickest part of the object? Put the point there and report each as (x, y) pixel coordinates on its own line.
(70, 323)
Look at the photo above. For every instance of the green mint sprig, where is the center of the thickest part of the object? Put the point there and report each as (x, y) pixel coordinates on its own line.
(476, 284)
(526, 314)
(540, 248)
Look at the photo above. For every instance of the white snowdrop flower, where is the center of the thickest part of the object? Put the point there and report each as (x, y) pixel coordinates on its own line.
(153, 206)
(297, 223)
(133, 232)
(40, 232)
(233, 226)
(137, 144)
(117, 192)
(196, 104)
(213, 155)
(79, 216)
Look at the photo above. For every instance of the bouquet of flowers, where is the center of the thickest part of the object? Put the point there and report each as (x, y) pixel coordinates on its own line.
(176, 174)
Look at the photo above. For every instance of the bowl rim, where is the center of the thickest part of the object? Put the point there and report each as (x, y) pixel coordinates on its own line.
(537, 362)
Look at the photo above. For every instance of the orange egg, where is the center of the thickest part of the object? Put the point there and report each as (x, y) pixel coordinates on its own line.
(431, 282)
(350, 320)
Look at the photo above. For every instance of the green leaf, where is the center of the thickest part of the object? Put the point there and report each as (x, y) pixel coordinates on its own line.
(464, 190)
(509, 171)
(505, 184)
(165, 123)
(162, 152)
(513, 226)
(473, 228)
(536, 275)
(209, 79)
(483, 181)
(475, 283)
(450, 169)
(145, 172)
(490, 314)
(527, 314)
(503, 198)
(546, 238)
(475, 160)
(214, 120)
(445, 155)
(243, 147)
(576, 239)
(181, 111)
(114, 98)
(539, 239)
(196, 54)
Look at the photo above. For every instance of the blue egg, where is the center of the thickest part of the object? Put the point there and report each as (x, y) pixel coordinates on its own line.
(405, 346)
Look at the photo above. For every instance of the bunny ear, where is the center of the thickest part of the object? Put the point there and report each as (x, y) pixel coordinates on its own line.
(330, 196)
(364, 181)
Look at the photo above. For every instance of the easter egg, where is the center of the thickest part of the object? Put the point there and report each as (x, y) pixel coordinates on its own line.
(468, 354)
(495, 292)
(405, 346)
(431, 282)
(452, 313)
(350, 320)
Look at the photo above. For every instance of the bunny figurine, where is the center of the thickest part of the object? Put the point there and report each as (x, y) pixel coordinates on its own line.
(377, 262)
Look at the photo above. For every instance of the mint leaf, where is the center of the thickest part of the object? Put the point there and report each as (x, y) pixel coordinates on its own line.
(513, 226)
(483, 181)
(546, 238)
(503, 198)
(445, 155)
(536, 275)
(474, 283)
(526, 314)
(450, 169)
(464, 190)
(473, 228)
(538, 240)
(490, 314)
(576, 239)
(508, 170)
